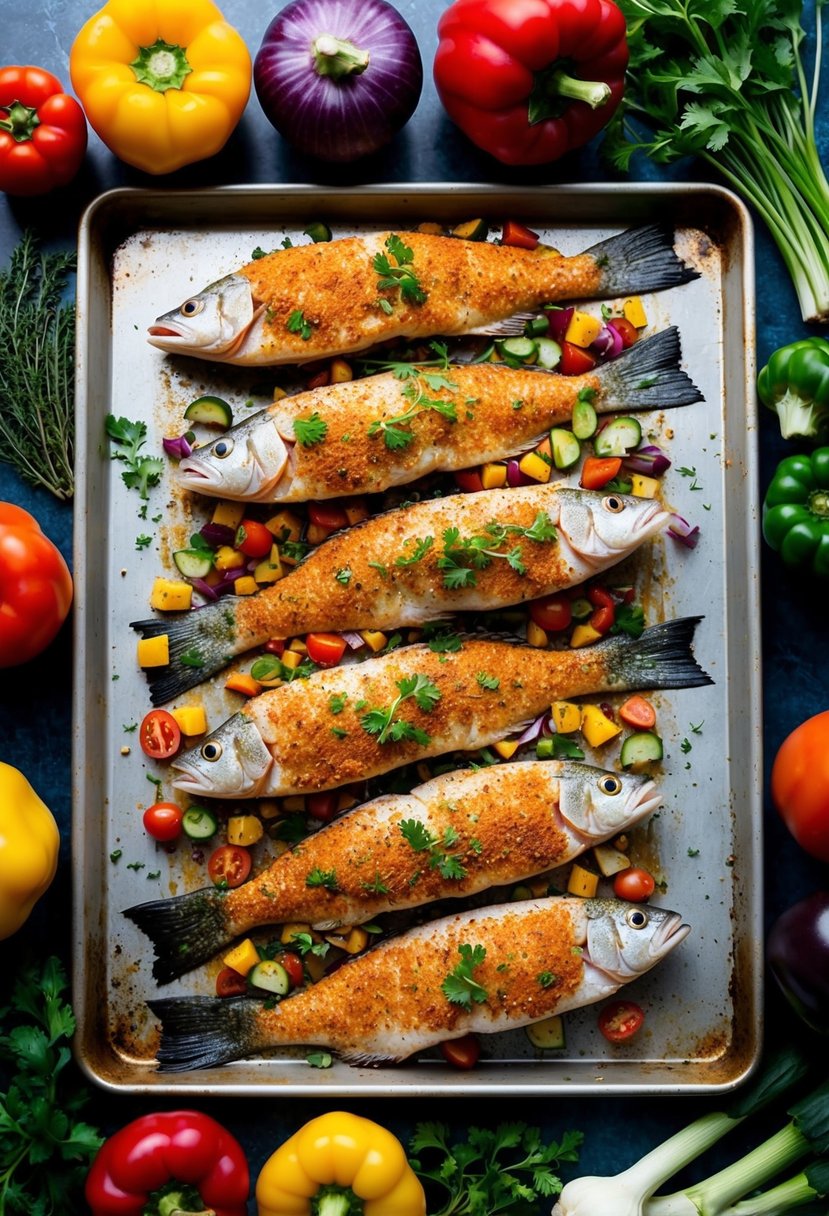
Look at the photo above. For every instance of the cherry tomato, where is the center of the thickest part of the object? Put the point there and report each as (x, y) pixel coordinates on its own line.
(162, 820)
(462, 1053)
(322, 806)
(603, 619)
(634, 884)
(597, 471)
(275, 646)
(327, 515)
(326, 649)
(293, 965)
(638, 713)
(35, 587)
(574, 360)
(159, 735)
(620, 1020)
(469, 480)
(552, 613)
(230, 983)
(626, 330)
(519, 236)
(229, 865)
(600, 597)
(253, 539)
(800, 785)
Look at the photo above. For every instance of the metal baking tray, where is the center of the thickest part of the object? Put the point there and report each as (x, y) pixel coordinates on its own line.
(140, 253)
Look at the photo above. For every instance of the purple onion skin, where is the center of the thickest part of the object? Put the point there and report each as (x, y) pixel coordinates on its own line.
(346, 119)
(798, 955)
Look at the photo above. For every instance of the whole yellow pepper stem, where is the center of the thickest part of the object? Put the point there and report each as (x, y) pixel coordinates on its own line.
(161, 66)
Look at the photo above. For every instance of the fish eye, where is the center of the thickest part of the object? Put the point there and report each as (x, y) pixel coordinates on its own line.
(613, 504)
(190, 307)
(211, 750)
(222, 448)
(636, 918)
(610, 784)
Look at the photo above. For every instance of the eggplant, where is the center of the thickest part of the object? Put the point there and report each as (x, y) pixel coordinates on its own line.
(798, 954)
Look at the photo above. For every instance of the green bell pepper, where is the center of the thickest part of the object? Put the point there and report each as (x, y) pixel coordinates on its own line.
(796, 512)
(795, 383)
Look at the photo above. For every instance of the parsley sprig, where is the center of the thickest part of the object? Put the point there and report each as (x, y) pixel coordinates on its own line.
(400, 277)
(297, 323)
(463, 555)
(388, 727)
(311, 430)
(396, 431)
(422, 840)
(141, 472)
(460, 986)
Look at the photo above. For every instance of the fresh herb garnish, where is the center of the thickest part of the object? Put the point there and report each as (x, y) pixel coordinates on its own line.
(141, 472)
(322, 878)
(400, 277)
(143, 541)
(269, 667)
(387, 727)
(380, 568)
(305, 944)
(630, 619)
(462, 556)
(546, 979)
(422, 840)
(460, 987)
(320, 1059)
(258, 253)
(297, 324)
(309, 431)
(421, 547)
(337, 701)
(343, 576)
(376, 886)
(685, 746)
(396, 432)
(489, 682)
(192, 658)
(339, 733)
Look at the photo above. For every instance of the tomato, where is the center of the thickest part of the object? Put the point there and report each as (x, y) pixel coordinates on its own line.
(638, 713)
(322, 806)
(230, 983)
(293, 965)
(603, 619)
(597, 471)
(626, 330)
(275, 646)
(162, 820)
(621, 1020)
(319, 380)
(42, 132)
(552, 612)
(159, 735)
(519, 236)
(229, 865)
(327, 515)
(462, 1053)
(469, 480)
(634, 884)
(574, 360)
(35, 587)
(326, 649)
(253, 539)
(800, 785)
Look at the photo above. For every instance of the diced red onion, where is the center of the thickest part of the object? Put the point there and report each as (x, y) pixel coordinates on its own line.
(177, 448)
(650, 460)
(204, 589)
(532, 732)
(559, 319)
(352, 640)
(217, 535)
(682, 531)
(514, 475)
(608, 343)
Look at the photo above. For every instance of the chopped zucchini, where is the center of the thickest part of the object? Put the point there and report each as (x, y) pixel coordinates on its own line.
(213, 411)
(318, 231)
(472, 230)
(548, 353)
(271, 976)
(566, 448)
(585, 419)
(548, 1034)
(581, 609)
(620, 436)
(537, 327)
(641, 749)
(193, 563)
(199, 824)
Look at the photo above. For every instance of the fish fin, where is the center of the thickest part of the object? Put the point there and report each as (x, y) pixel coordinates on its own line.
(648, 376)
(660, 658)
(203, 635)
(640, 259)
(362, 1059)
(507, 327)
(186, 931)
(204, 1031)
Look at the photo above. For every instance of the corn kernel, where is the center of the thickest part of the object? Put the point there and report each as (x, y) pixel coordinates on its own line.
(191, 719)
(583, 329)
(154, 652)
(596, 727)
(634, 312)
(534, 466)
(169, 595)
(584, 635)
(229, 513)
(642, 486)
(341, 372)
(536, 635)
(246, 585)
(493, 476)
(242, 958)
(582, 882)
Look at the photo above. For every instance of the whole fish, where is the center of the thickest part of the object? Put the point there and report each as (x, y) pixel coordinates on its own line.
(389, 429)
(414, 564)
(357, 721)
(493, 969)
(453, 836)
(333, 298)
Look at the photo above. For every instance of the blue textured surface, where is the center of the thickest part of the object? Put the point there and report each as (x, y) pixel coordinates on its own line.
(35, 725)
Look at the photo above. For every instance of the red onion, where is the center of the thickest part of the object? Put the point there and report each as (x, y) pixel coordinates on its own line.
(338, 78)
(559, 319)
(217, 535)
(532, 732)
(609, 342)
(514, 475)
(649, 460)
(178, 448)
(682, 531)
(352, 640)
(204, 589)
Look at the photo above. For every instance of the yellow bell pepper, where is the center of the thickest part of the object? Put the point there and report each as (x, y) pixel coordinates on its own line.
(342, 1150)
(29, 842)
(163, 82)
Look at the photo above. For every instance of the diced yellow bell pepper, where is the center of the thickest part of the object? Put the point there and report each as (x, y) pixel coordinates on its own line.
(345, 801)
(642, 486)
(316, 534)
(582, 882)
(506, 748)
(171, 595)
(493, 476)
(566, 716)
(228, 558)
(634, 311)
(293, 929)
(242, 958)
(583, 329)
(241, 682)
(229, 513)
(247, 585)
(596, 727)
(244, 830)
(534, 466)
(374, 639)
(279, 393)
(584, 635)
(154, 652)
(269, 570)
(341, 371)
(191, 719)
(268, 808)
(536, 636)
(297, 645)
(430, 228)
(291, 658)
(285, 525)
(356, 941)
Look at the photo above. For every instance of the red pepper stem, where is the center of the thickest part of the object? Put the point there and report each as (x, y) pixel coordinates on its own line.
(595, 92)
(337, 57)
(21, 121)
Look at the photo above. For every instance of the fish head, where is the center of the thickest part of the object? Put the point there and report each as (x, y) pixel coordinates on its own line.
(211, 324)
(604, 528)
(624, 940)
(598, 804)
(245, 463)
(232, 762)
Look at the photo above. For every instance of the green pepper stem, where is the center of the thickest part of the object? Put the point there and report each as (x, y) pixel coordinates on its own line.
(21, 121)
(161, 66)
(554, 84)
(595, 92)
(171, 1205)
(334, 1203)
(337, 57)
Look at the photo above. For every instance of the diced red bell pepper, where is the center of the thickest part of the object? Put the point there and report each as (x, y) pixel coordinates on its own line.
(574, 360)
(519, 236)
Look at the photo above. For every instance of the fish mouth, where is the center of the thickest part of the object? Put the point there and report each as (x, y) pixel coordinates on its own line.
(195, 474)
(669, 934)
(171, 338)
(643, 801)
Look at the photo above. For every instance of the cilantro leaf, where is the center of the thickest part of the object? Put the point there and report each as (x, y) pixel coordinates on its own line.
(309, 431)
(297, 324)
(489, 682)
(322, 878)
(460, 987)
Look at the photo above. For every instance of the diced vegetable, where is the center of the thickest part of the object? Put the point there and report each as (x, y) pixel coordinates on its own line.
(493, 476)
(241, 682)
(584, 635)
(566, 717)
(596, 472)
(154, 652)
(246, 585)
(583, 329)
(193, 563)
(596, 727)
(547, 353)
(242, 958)
(229, 514)
(640, 750)
(548, 1034)
(244, 830)
(519, 236)
(199, 823)
(270, 976)
(506, 748)
(192, 719)
(620, 1020)
(634, 311)
(566, 448)
(523, 349)
(582, 882)
(285, 525)
(534, 466)
(585, 419)
(536, 636)
(643, 487)
(620, 436)
(269, 569)
(228, 558)
(636, 711)
(471, 230)
(171, 596)
(210, 410)
(609, 860)
(341, 371)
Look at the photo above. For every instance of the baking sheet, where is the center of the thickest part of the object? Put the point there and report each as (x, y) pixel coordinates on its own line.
(141, 253)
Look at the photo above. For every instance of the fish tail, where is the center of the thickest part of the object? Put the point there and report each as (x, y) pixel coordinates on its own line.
(204, 1031)
(660, 658)
(186, 931)
(201, 643)
(648, 375)
(641, 259)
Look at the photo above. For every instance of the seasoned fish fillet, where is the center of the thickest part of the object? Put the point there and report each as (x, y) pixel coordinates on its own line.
(389, 429)
(457, 834)
(414, 703)
(467, 552)
(337, 297)
(482, 971)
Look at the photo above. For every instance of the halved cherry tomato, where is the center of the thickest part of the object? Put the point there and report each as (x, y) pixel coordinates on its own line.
(625, 329)
(326, 649)
(634, 884)
(462, 1053)
(600, 597)
(519, 236)
(253, 539)
(469, 480)
(293, 965)
(603, 619)
(322, 806)
(574, 360)
(275, 646)
(162, 820)
(638, 713)
(552, 613)
(620, 1020)
(230, 983)
(597, 471)
(327, 515)
(159, 735)
(229, 865)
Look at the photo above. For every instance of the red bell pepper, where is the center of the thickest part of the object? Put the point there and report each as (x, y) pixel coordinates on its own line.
(528, 80)
(42, 132)
(169, 1164)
